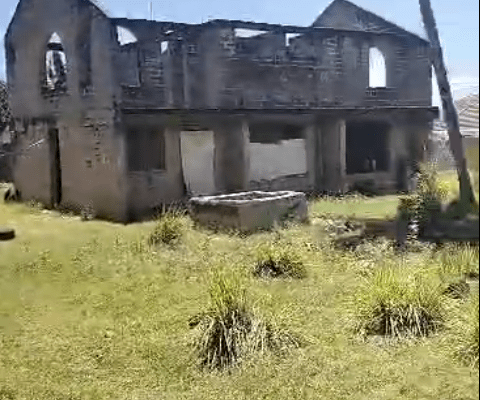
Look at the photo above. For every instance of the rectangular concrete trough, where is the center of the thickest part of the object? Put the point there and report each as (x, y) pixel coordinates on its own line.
(249, 211)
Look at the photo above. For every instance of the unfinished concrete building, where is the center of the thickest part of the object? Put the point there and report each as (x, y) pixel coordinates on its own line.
(123, 115)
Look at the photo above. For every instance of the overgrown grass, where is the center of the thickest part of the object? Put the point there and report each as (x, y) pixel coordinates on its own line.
(399, 303)
(355, 206)
(231, 331)
(91, 311)
(169, 228)
(464, 333)
(279, 259)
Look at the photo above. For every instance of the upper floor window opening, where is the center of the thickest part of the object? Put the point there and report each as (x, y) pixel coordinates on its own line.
(125, 36)
(377, 69)
(55, 66)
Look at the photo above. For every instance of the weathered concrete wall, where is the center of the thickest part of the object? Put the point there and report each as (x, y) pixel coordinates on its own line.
(91, 151)
(271, 161)
(249, 211)
(31, 167)
(150, 189)
(232, 158)
(93, 166)
(333, 133)
(198, 153)
(212, 67)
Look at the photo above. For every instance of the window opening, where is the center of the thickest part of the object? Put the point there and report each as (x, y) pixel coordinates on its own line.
(377, 69)
(55, 66)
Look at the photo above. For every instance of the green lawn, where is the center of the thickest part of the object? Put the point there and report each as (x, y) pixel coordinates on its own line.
(89, 311)
(381, 207)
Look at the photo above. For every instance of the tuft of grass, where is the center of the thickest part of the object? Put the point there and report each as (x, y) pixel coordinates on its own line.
(464, 333)
(399, 304)
(458, 260)
(231, 331)
(279, 260)
(43, 263)
(169, 228)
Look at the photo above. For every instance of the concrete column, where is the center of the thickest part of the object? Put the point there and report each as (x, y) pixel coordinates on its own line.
(310, 135)
(173, 158)
(333, 133)
(232, 160)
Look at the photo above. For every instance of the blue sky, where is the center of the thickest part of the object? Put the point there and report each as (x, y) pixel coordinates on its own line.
(458, 21)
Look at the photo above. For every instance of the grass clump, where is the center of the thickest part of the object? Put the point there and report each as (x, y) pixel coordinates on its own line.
(168, 229)
(459, 260)
(464, 333)
(399, 304)
(457, 263)
(231, 331)
(279, 260)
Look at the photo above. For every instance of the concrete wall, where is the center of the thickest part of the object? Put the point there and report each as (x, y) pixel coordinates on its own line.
(334, 169)
(91, 151)
(213, 67)
(147, 190)
(271, 161)
(198, 153)
(232, 158)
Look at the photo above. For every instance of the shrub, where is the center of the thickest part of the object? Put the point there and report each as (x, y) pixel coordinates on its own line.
(426, 201)
(279, 260)
(398, 303)
(230, 331)
(464, 333)
(168, 229)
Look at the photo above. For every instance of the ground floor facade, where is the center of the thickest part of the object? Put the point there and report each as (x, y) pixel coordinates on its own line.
(124, 165)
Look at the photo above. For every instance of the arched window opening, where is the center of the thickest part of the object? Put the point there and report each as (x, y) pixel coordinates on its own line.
(377, 69)
(55, 66)
(125, 36)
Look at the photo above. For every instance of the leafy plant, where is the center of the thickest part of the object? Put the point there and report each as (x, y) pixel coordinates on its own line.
(426, 201)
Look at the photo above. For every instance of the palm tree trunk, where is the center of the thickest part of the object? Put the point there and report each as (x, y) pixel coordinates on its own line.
(467, 196)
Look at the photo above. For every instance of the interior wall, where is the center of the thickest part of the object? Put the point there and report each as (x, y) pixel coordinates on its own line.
(276, 151)
(198, 153)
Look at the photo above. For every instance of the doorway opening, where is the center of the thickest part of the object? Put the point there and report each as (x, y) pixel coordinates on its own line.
(367, 147)
(55, 167)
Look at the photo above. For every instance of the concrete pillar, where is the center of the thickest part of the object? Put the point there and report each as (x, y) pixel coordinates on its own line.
(333, 133)
(310, 135)
(173, 158)
(232, 160)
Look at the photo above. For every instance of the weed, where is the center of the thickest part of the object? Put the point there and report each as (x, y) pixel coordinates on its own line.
(230, 331)
(42, 263)
(7, 393)
(168, 229)
(426, 201)
(399, 303)
(459, 260)
(279, 260)
(464, 333)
